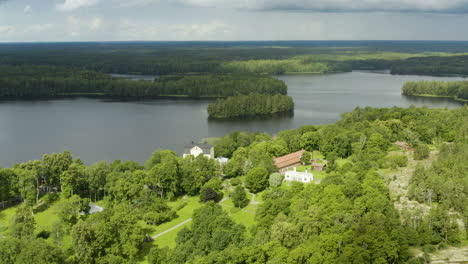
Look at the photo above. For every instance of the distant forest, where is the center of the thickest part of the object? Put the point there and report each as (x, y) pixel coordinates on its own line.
(423, 58)
(51, 81)
(457, 90)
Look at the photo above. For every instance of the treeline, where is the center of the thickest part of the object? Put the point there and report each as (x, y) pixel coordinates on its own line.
(189, 58)
(46, 81)
(251, 105)
(433, 66)
(457, 89)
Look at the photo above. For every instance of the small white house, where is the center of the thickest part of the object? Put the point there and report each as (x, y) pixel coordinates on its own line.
(296, 176)
(199, 149)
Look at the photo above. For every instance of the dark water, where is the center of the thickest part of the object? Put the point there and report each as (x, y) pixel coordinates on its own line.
(96, 129)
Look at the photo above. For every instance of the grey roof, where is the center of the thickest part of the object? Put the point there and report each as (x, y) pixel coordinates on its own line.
(205, 147)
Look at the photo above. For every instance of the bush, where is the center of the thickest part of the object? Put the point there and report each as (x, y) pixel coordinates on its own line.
(181, 205)
(421, 151)
(236, 181)
(397, 161)
(50, 198)
(257, 179)
(239, 197)
(275, 179)
(208, 194)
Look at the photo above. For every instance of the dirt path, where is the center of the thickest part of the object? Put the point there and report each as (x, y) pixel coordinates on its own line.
(172, 228)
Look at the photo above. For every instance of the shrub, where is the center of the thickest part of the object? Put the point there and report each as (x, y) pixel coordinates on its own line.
(239, 197)
(236, 181)
(421, 151)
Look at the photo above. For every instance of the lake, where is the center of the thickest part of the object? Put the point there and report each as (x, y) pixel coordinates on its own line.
(95, 129)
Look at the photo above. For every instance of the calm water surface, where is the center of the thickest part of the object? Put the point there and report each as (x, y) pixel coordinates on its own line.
(96, 129)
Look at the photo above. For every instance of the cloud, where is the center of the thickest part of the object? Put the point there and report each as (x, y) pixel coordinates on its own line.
(133, 3)
(38, 28)
(96, 23)
(70, 5)
(27, 9)
(7, 31)
(436, 6)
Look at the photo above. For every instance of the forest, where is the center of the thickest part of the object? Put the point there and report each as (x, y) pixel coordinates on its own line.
(457, 90)
(433, 66)
(251, 105)
(352, 216)
(167, 58)
(53, 81)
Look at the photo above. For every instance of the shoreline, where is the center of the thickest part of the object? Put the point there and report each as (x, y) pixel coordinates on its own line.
(455, 98)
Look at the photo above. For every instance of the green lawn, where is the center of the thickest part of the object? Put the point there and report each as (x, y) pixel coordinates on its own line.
(6, 216)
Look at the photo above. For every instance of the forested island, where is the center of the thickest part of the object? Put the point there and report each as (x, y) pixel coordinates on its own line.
(251, 105)
(457, 90)
(378, 201)
(53, 81)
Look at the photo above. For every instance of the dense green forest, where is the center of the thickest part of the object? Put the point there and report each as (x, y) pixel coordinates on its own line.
(457, 90)
(251, 105)
(349, 217)
(50, 81)
(433, 66)
(243, 57)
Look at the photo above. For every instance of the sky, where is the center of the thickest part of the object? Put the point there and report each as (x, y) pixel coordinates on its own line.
(229, 20)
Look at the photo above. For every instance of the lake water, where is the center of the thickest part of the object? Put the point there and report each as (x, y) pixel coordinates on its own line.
(95, 129)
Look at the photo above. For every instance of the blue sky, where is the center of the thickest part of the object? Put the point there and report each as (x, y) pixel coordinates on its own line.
(108, 20)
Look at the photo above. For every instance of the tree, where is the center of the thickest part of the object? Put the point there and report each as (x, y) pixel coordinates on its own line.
(97, 174)
(158, 255)
(239, 197)
(306, 158)
(54, 165)
(310, 141)
(208, 194)
(421, 151)
(40, 252)
(23, 223)
(257, 179)
(73, 209)
(275, 179)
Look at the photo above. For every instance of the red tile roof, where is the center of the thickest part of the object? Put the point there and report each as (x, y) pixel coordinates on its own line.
(288, 160)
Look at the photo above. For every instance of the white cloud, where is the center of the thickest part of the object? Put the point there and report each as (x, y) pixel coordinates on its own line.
(199, 31)
(6, 32)
(133, 3)
(38, 28)
(340, 5)
(70, 5)
(27, 9)
(96, 23)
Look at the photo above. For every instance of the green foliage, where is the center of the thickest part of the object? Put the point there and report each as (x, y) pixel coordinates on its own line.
(275, 179)
(421, 151)
(251, 105)
(23, 223)
(257, 179)
(54, 81)
(235, 182)
(239, 197)
(72, 209)
(433, 66)
(196, 172)
(212, 191)
(113, 232)
(212, 230)
(41, 252)
(306, 158)
(458, 89)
